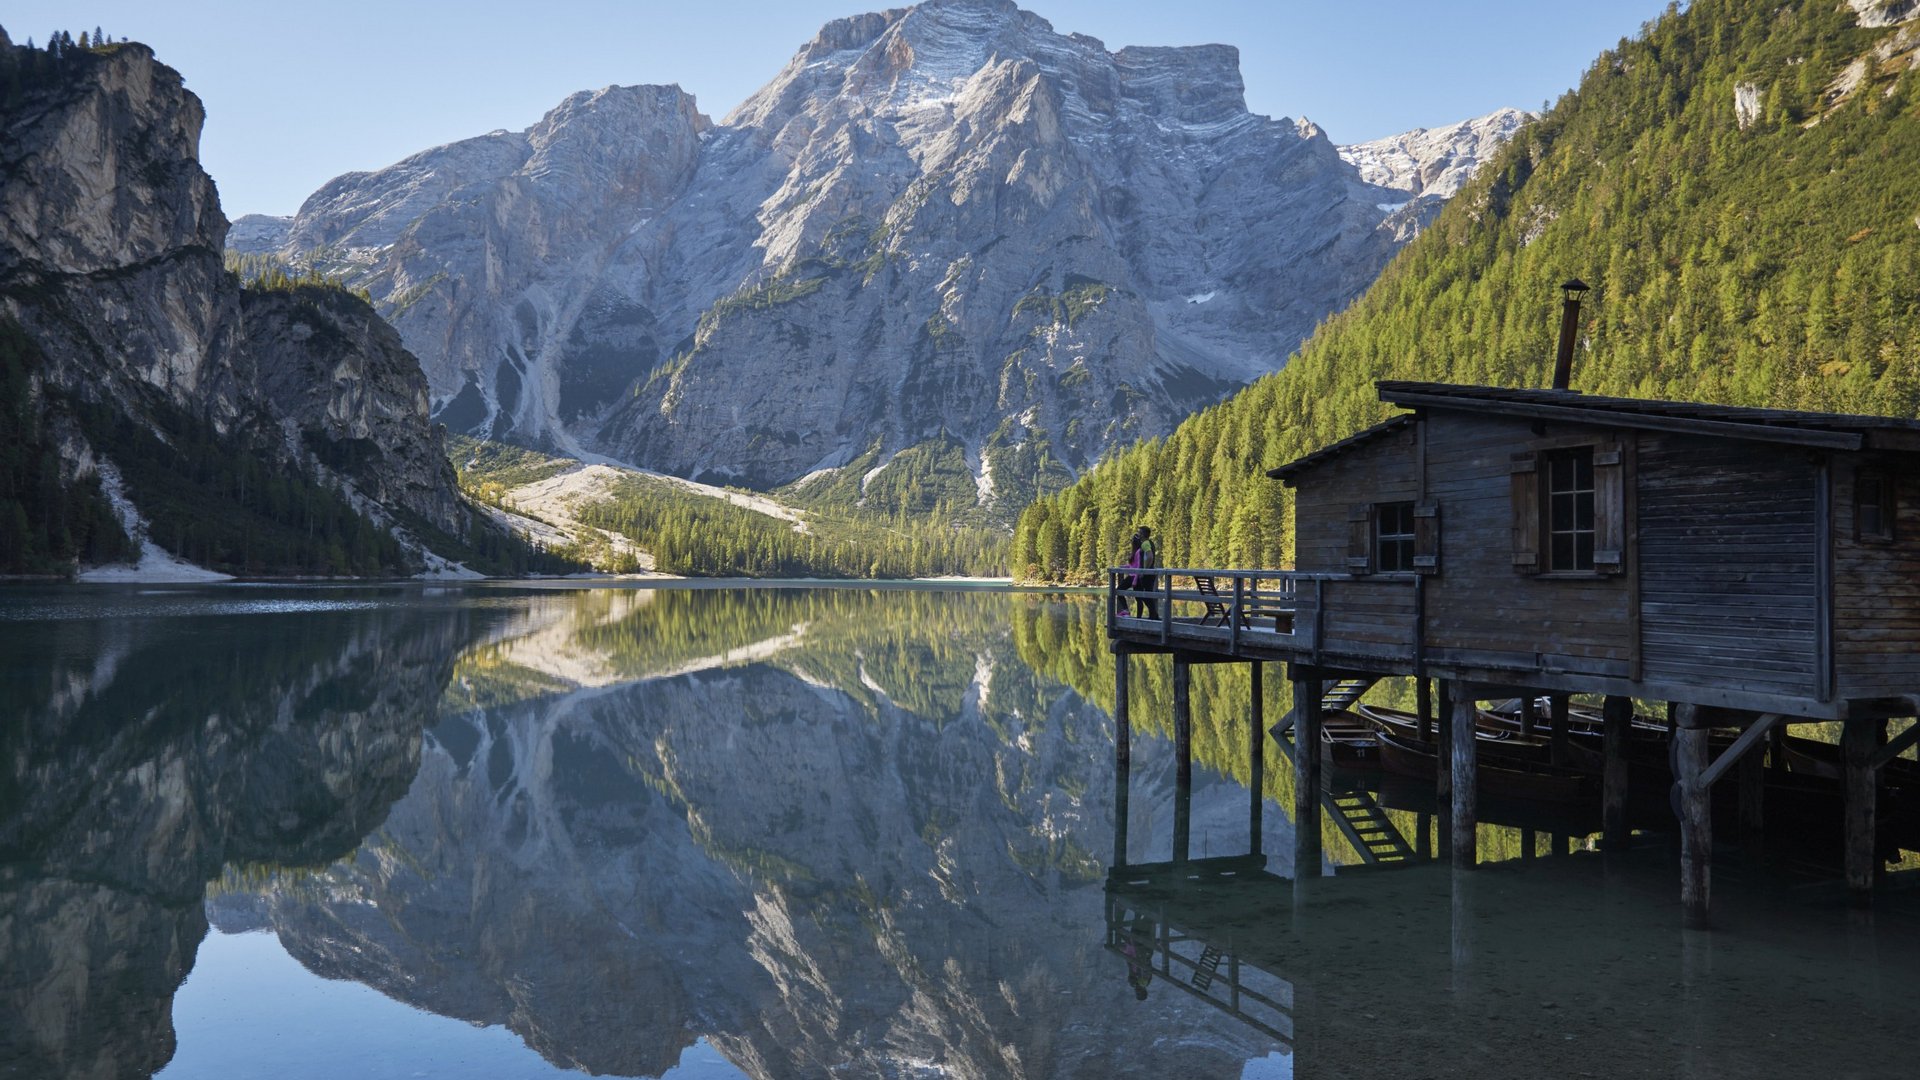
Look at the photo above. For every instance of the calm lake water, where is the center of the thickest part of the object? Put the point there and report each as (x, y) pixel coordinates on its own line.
(709, 832)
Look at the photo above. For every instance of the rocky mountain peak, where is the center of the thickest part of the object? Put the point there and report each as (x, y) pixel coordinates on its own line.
(946, 226)
(115, 161)
(1434, 161)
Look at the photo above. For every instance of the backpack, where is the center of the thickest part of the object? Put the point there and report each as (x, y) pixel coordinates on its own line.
(1149, 554)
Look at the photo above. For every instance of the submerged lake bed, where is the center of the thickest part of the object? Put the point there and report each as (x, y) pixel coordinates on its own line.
(727, 829)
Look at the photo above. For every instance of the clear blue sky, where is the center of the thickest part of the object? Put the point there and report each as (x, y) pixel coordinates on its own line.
(299, 93)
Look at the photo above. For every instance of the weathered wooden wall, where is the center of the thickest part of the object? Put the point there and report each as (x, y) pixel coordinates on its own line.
(1383, 470)
(1728, 572)
(1876, 611)
(1479, 610)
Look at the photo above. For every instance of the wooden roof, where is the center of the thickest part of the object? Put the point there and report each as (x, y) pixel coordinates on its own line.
(1838, 431)
(1287, 471)
(1833, 431)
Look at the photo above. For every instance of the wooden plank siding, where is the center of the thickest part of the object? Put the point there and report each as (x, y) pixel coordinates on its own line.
(1380, 471)
(1728, 563)
(1479, 603)
(1876, 583)
(1740, 579)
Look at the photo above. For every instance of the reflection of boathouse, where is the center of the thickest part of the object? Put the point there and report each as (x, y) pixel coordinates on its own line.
(1755, 567)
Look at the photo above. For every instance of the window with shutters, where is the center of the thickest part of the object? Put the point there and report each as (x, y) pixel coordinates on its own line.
(1873, 506)
(1393, 537)
(1570, 510)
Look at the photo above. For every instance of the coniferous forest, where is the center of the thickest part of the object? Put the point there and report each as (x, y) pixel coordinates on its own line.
(47, 518)
(1737, 185)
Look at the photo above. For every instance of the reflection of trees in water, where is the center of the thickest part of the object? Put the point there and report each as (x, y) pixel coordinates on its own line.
(152, 754)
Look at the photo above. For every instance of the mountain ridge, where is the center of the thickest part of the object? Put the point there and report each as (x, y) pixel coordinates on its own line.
(824, 291)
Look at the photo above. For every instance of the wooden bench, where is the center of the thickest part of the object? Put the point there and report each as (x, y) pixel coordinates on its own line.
(1250, 607)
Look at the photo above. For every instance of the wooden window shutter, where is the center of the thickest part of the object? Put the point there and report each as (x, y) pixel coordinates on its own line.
(1609, 508)
(1525, 468)
(1426, 538)
(1360, 539)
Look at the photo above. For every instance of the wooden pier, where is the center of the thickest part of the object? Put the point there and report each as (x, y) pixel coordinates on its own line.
(1753, 568)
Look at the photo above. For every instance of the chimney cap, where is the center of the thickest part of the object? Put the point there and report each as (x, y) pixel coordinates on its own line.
(1574, 285)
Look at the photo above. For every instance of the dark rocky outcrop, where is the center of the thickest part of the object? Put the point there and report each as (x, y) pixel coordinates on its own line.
(111, 249)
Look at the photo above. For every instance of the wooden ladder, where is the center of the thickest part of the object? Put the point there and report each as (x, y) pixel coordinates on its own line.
(1203, 972)
(1337, 697)
(1367, 827)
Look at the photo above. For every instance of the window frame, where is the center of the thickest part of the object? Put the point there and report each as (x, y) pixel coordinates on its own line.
(1553, 497)
(1888, 506)
(1614, 509)
(1404, 542)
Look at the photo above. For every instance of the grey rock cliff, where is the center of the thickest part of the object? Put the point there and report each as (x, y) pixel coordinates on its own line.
(947, 222)
(111, 239)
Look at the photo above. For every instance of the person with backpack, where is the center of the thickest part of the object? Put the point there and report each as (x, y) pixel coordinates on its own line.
(1146, 557)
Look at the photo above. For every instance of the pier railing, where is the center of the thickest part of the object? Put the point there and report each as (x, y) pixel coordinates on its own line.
(1304, 615)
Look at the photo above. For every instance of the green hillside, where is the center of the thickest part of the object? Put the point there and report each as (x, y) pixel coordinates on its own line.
(1765, 255)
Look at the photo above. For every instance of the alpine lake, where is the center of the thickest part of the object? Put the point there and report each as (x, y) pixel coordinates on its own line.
(723, 829)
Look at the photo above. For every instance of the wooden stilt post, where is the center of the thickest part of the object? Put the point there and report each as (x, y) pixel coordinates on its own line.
(1777, 749)
(1617, 718)
(1858, 741)
(1464, 765)
(1753, 797)
(1423, 692)
(1122, 756)
(1443, 772)
(1529, 716)
(1423, 844)
(1183, 756)
(1528, 841)
(1557, 725)
(1257, 754)
(1306, 777)
(1696, 814)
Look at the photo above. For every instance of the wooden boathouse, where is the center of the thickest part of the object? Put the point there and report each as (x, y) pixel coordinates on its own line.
(1754, 568)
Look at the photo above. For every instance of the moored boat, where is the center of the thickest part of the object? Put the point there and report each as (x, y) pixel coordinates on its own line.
(1508, 778)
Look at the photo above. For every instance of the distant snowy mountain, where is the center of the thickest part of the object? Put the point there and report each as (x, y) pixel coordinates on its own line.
(1427, 166)
(945, 229)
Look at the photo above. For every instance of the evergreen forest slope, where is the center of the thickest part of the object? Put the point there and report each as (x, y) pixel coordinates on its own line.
(1741, 186)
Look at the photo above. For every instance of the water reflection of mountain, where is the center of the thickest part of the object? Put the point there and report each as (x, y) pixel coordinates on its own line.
(836, 830)
(157, 748)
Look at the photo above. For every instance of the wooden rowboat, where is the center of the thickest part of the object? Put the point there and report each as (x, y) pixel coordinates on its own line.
(1349, 742)
(1511, 779)
(1506, 745)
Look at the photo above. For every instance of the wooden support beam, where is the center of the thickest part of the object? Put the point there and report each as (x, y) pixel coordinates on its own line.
(1777, 749)
(1557, 725)
(1696, 817)
(1465, 769)
(1529, 715)
(1423, 693)
(1183, 757)
(1257, 754)
(1897, 746)
(1122, 756)
(1753, 796)
(1858, 741)
(1748, 740)
(1617, 718)
(1443, 773)
(1306, 778)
